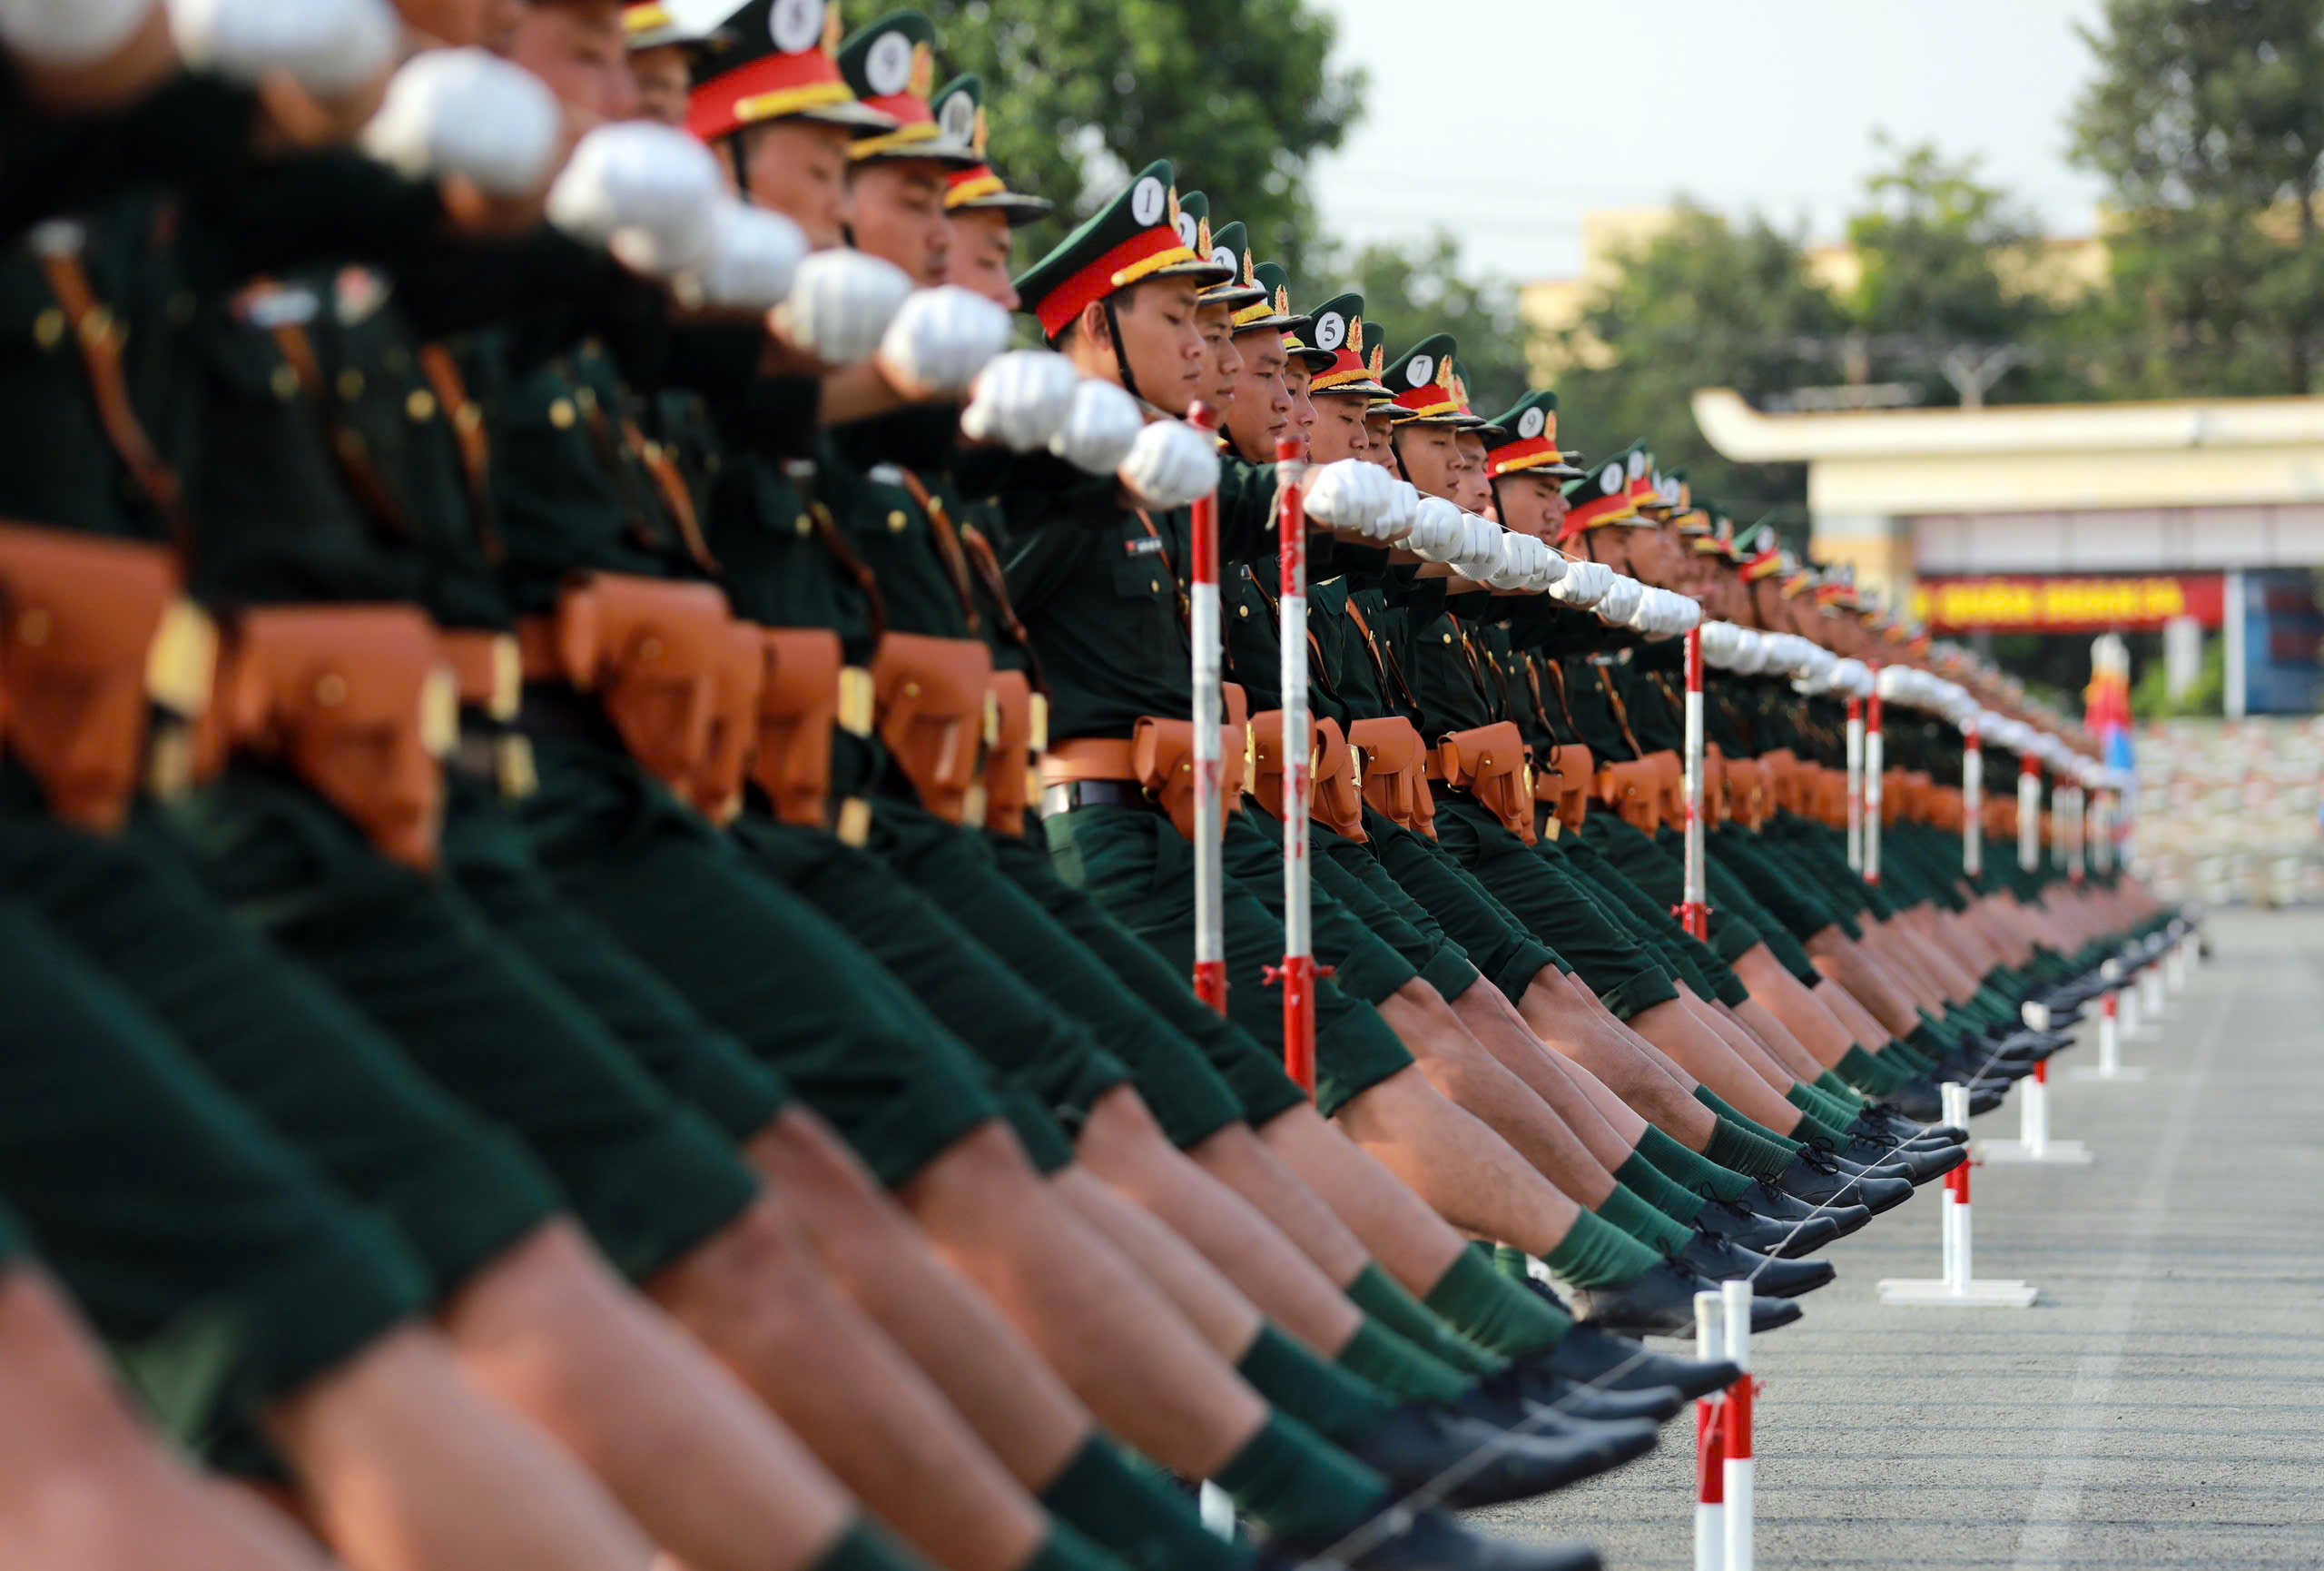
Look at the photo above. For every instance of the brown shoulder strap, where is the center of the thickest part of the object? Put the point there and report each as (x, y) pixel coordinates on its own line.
(948, 545)
(469, 436)
(347, 447)
(1621, 710)
(986, 564)
(99, 338)
(676, 495)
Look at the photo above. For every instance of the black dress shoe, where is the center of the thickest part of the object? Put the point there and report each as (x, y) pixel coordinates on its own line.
(1920, 1166)
(1767, 1235)
(1724, 1260)
(1605, 1361)
(1516, 1396)
(1474, 1463)
(1893, 1122)
(1813, 1178)
(1770, 1201)
(1660, 1301)
(1900, 1134)
(1402, 1540)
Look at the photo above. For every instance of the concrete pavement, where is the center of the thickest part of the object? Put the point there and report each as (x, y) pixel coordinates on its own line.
(2161, 1405)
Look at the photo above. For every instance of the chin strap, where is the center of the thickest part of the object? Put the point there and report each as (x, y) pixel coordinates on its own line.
(1121, 354)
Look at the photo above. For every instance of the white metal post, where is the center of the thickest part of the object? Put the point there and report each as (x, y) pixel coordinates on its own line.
(1958, 1287)
(1738, 1427)
(1973, 801)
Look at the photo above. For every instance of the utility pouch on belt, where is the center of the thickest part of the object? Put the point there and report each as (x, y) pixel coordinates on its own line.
(1396, 772)
(1828, 794)
(1714, 787)
(651, 651)
(1489, 763)
(1781, 766)
(1895, 795)
(803, 691)
(1946, 809)
(1669, 784)
(1335, 796)
(1747, 801)
(94, 631)
(1563, 785)
(1235, 750)
(1633, 790)
(1020, 727)
(358, 702)
(734, 723)
(932, 705)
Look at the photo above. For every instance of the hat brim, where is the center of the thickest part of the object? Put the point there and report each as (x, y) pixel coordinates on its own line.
(1366, 389)
(1237, 295)
(1317, 360)
(1017, 207)
(1273, 322)
(1202, 272)
(851, 116)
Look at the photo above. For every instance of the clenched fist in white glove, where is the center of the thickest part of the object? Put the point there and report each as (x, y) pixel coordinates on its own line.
(1584, 584)
(1170, 464)
(67, 33)
(1350, 496)
(1621, 601)
(470, 114)
(1721, 641)
(1101, 425)
(1020, 400)
(649, 194)
(329, 47)
(1437, 530)
(1397, 513)
(839, 304)
(939, 339)
(753, 260)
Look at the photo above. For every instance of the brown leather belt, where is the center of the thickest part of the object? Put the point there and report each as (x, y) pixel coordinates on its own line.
(490, 669)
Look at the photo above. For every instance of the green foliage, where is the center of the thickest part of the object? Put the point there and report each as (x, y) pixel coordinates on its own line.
(1420, 287)
(2150, 697)
(1238, 93)
(1709, 303)
(2207, 124)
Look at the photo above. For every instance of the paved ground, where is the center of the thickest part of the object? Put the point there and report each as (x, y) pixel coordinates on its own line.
(2162, 1406)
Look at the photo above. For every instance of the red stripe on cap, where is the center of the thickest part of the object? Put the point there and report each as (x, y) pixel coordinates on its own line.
(1346, 366)
(710, 112)
(1596, 510)
(1428, 398)
(1096, 282)
(903, 108)
(1500, 459)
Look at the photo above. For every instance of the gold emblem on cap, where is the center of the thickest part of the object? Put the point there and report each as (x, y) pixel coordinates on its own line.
(1355, 337)
(832, 35)
(1379, 363)
(977, 138)
(923, 70)
(1250, 272)
(1444, 372)
(1282, 300)
(1202, 236)
(1172, 196)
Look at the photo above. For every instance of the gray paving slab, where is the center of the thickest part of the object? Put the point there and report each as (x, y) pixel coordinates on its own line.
(2163, 1405)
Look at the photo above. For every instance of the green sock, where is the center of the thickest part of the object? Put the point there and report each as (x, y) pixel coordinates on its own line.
(1382, 1359)
(1642, 1221)
(1145, 1520)
(1645, 1180)
(1300, 1486)
(1876, 1075)
(1328, 1399)
(1914, 1051)
(1746, 1153)
(867, 1547)
(1844, 1095)
(1691, 1171)
(1744, 1121)
(1597, 1254)
(1494, 1312)
(1818, 1116)
(1382, 1297)
(1944, 1032)
(1510, 1262)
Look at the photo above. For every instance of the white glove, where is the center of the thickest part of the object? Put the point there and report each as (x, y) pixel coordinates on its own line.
(1349, 497)
(649, 194)
(1653, 616)
(1895, 682)
(1480, 552)
(1622, 601)
(327, 46)
(1853, 677)
(1437, 531)
(1683, 613)
(1101, 424)
(1020, 400)
(755, 256)
(1750, 652)
(463, 111)
(1170, 464)
(1584, 584)
(1721, 641)
(1548, 572)
(939, 339)
(1521, 557)
(69, 32)
(839, 304)
(1402, 503)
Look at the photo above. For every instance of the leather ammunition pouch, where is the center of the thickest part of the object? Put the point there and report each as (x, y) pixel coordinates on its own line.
(1234, 754)
(1634, 790)
(1749, 801)
(1490, 763)
(358, 702)
(1714, 787)
(1895, 795)
(1947, 810)
(1564, 782)
(1781, 767)
(799, 702)
(1021, 718)
(734, 723)
(931, 694)
(94, 629)
(1396, 772)
(1828, 794)
(489, 670)
(650, 649)
(1334, 796)
(1671, 784)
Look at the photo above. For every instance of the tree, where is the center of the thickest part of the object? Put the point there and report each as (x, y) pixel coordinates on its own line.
(1709, 303)
(1420, 287)
(1240, 95)
(2207, 123)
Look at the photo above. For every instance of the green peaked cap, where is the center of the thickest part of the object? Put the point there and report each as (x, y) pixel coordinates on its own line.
(1299, 333)
(1228, 248)
(1341, 332)
(1272, 310)
(1524, 439)
(1132, 238)
(1420, 382)
(890, 65)
(959, 107)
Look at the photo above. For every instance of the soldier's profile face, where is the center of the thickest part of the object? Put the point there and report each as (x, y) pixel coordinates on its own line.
(461, 24)
(1262, 408)
(1475, 492)
(982, 244)
(896, 209)
(1379, 443)
(1531, 504)
(1432, 460)
(1162, 341)
(1296, 379)
(660, 75)
(1339, 429)
(579, 51)
(1224, 366)
(798, 168)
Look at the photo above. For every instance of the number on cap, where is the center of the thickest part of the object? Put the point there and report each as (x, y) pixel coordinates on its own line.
(1146, 202)
(887, 68)
(1419, 371)
(796, 26)
(1530, 423)
(1331, 330)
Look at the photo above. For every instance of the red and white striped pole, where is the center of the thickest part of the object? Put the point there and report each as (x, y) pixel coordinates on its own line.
(1737, 1426)
(1973, 801)
(2029, 815)
(2076, 865)
(1876, 762)
(1710, 1441)
(1203, 621)
(1958, 1287)
(1855, 783)
(1298, 769)
(1694, 914)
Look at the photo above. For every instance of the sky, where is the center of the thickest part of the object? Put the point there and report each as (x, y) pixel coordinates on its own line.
(1505, 121)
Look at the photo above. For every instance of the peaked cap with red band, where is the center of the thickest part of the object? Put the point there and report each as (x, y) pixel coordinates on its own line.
(1524, 438)
(1131, 238)
(1599, 497)
(1340, 331)
(772, 60)
(1223, 244)
(890, 67)
(1424, 384)
(649, 24)
(959, 107)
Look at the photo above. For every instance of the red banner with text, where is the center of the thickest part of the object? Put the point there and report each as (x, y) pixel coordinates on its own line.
(2139, 603)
